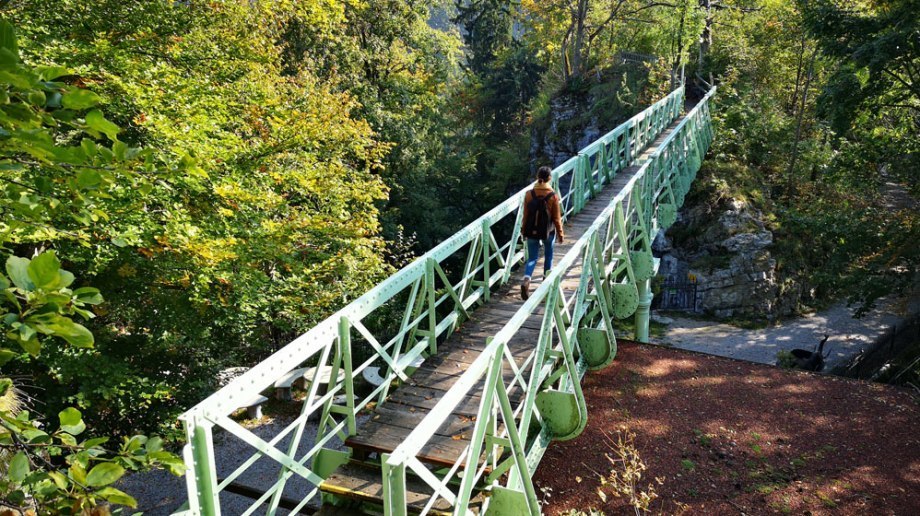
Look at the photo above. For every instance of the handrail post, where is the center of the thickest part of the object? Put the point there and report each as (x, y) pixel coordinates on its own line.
(203, 465)
(643, 311)
(432, 308)
(345, 350)
(394, 487)
(486, 261)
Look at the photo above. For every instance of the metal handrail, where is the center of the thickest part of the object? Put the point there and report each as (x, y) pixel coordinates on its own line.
(491, 357)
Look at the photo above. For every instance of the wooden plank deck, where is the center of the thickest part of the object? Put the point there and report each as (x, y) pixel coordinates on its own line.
(408, 404)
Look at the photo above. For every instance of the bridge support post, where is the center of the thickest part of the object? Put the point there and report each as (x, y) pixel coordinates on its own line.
(643, 310)
(203, 466)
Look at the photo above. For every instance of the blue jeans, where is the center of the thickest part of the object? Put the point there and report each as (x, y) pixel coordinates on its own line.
(533, 252)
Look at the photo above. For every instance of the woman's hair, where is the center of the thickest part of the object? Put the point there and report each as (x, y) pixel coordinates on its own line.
(544, 173)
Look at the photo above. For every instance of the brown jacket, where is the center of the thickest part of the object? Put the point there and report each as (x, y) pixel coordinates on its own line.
(553, 204)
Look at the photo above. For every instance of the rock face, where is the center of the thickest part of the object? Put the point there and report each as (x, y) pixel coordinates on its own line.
(567, 130)
(727, 249)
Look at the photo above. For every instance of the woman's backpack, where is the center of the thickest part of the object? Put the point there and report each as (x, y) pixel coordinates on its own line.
(539, 223)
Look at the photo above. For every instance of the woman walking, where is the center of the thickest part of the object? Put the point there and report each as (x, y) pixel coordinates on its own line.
(542, 224)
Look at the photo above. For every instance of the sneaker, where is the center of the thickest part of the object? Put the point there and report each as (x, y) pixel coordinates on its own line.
(525, 288)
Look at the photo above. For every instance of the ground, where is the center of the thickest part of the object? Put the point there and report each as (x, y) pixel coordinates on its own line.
(848, 336)
(723, 436)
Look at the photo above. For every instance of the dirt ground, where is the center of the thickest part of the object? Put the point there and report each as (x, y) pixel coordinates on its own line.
(721, 436)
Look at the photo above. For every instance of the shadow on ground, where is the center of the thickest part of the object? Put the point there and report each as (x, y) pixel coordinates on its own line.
(730, 437)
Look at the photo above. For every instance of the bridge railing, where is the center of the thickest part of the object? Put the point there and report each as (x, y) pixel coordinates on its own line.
(427, 298)
(576, 322)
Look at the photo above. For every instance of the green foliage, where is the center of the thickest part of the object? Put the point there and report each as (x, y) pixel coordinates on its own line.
(257, 216)
(487, 26)
(47, 180)
(56, 473)
(41, 303)
(785, 359)
(810, 110)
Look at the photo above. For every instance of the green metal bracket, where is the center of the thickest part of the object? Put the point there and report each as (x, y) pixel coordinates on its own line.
(625, 299)
(327, 460)
(643, 264)
(504, 501)
(598, 347)
(560, 413)
(667, 215)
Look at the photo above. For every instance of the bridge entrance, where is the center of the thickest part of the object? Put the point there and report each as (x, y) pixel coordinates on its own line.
(475, 382)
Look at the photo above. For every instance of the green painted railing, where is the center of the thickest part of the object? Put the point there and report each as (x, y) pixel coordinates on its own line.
(429, 300)
(577, 333)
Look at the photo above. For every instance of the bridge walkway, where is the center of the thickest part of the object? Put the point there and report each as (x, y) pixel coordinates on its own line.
(392, 421)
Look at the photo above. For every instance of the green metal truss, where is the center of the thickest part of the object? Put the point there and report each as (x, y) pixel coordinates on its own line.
(577, 333)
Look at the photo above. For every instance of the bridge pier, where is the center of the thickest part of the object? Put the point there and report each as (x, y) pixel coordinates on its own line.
(643, 311)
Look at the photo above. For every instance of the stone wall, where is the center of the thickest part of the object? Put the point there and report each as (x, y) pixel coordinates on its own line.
(726, 247)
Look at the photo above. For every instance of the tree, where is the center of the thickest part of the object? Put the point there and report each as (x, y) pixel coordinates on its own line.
(259, 217)
(53, 164)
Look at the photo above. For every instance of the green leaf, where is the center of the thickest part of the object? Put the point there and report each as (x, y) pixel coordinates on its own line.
(154, 444)
(5, 385)
(67, 439)
(18, 270)
(95, 441)
(89, 147)
(71, 421)
(50, 73)
(78, 98)
(88, 295)
(31, 346)
(113, 495)
(36, 436)
(88, 178)
(104, 474)
(78, 472)
(67, 278)
(4, 283)
(59, 479)
(6, 355)
(173, 463)
(18, 468)
(59, 326)
(135, 443)
(43, 270)
(8, 37)
(97, 122)
(26, 332)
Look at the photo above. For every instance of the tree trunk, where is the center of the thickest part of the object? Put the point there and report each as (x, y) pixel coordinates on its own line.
(680, 45)
(579, 53)
(705, 39)
(790, 174)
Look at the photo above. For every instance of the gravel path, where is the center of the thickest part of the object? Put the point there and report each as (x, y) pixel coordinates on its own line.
(848, 336)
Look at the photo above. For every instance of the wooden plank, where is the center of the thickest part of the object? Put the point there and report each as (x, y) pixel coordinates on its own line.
(444, 380)
(399, 415)
(361, 482)
(425, 399)
(440, 450)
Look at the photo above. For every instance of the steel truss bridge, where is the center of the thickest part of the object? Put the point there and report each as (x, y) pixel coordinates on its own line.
(463, 430)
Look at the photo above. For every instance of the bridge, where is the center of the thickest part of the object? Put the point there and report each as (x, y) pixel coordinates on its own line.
(475, 383)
